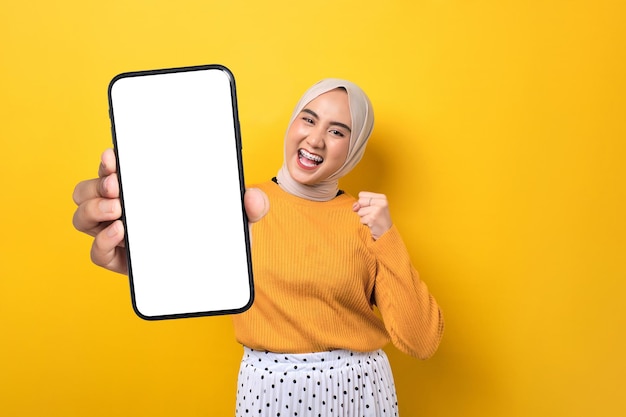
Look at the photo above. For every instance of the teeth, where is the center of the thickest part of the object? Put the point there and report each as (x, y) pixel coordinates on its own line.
(310, 156)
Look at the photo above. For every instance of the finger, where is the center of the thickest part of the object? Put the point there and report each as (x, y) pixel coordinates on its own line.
(367, 199)
(366, 220)
(365, 202)
(363, 206)
(91, 213)
(361, 202)
(107, 250)
(108, 164)
(107, 187)
(256, 203)
(368, 194)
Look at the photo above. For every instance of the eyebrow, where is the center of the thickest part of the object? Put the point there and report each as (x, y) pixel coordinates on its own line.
(312, 113)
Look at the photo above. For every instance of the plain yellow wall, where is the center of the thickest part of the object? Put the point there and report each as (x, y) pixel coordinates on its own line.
(499, 141)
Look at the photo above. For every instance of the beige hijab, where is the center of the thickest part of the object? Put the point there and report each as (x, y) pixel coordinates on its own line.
(362, 125)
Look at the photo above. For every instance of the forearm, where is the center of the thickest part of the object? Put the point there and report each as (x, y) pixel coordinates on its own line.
(411, 314)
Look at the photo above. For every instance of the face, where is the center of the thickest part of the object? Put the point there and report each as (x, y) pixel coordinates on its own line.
(317, 141)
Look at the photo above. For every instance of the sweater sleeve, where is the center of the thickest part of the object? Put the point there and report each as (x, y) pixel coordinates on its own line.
(410, 313)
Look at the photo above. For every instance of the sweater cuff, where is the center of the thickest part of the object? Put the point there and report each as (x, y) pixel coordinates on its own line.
(390, 243)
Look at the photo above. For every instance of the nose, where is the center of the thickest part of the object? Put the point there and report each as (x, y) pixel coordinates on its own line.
(316, 138)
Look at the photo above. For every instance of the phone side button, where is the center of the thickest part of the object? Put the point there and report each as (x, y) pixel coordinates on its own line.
(239, 130)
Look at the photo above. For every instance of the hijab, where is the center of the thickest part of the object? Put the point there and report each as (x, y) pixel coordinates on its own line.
(362, 116)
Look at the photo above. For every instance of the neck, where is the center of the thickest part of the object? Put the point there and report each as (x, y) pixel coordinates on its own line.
(322, 191)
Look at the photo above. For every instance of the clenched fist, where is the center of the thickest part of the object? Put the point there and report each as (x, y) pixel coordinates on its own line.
(373, 209)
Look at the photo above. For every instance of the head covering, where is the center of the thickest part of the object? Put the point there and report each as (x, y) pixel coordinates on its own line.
(362, 116)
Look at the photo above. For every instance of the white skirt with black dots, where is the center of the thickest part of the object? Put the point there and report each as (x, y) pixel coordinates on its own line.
(335, 383)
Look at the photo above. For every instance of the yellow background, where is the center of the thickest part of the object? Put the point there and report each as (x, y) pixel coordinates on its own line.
(499, 141)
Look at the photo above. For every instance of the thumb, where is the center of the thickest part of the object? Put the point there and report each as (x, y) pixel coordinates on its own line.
(256, 203)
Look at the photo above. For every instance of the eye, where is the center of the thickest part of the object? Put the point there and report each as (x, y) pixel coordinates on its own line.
(308, 120)
(337, 133)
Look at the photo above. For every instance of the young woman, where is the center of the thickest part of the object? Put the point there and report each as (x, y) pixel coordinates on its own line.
(322, 261)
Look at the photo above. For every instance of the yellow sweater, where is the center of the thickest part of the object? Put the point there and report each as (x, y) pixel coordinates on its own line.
(317, 275)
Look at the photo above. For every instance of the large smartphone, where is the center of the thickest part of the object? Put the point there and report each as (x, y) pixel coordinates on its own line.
(177, 140)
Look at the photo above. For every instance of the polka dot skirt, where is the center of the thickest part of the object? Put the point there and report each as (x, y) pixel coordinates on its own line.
(336, 383)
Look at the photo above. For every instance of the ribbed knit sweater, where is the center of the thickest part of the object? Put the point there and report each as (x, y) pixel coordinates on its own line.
(318, 274)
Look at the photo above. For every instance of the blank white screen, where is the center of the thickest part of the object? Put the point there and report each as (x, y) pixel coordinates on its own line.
(179, 171)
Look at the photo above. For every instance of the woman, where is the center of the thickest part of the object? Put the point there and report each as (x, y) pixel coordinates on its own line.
(322, 260)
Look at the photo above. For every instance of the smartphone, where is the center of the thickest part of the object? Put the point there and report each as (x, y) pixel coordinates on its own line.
(177, 141)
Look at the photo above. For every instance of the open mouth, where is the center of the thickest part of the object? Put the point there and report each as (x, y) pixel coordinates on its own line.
(308, 159)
